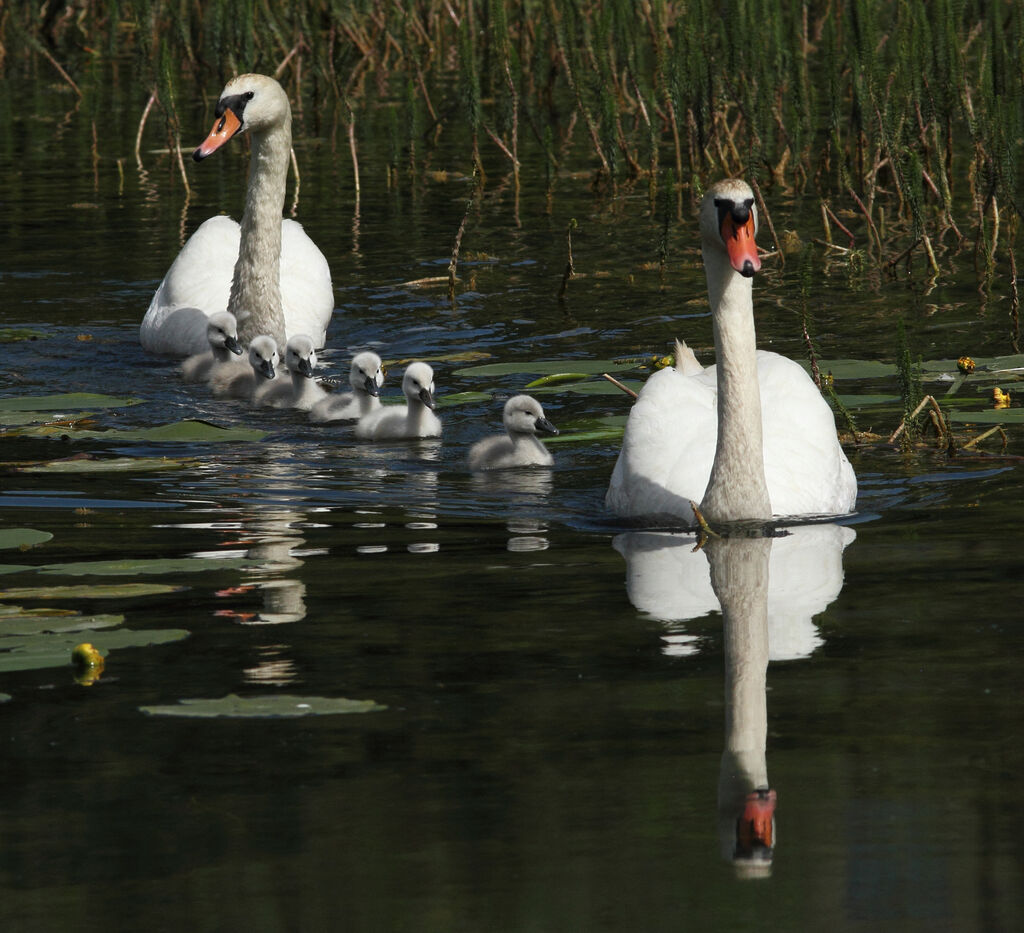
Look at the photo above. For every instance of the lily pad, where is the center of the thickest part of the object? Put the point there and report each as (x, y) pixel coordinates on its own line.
(593, 387)
(462, 398)
(66, 401)
(990, 416)
(17, 334)
(22, 537)
(154, 567)
(32, 652)
(545, 367)
(556, 379)
(263, 707)
(98, 591)
(15, 620)
(185, 432)
(104, 465)
(12, 419)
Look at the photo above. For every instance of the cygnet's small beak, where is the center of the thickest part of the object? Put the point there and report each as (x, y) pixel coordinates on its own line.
(370, 386)
(267, 369)
(305, 368)
(232, 344)
(546, 427)
(427, 398)
(225, 127)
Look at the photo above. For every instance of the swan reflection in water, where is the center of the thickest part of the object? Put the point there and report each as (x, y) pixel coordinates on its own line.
(768, 591)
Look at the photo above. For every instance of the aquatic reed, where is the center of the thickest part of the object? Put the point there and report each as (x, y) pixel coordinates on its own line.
(898, 112)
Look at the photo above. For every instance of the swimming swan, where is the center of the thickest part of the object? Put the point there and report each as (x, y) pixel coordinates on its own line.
(281, 283)
(748, 438)
(261, 375)
(414, 419)
(300, 391)
(366, 376)
(523, 419)
(222, 336)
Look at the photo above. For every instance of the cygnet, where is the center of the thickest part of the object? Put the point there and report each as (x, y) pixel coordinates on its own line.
(523, 419)
(366, 377)
(261, 374)
(414, 419)
(222, 332)
(302, 390)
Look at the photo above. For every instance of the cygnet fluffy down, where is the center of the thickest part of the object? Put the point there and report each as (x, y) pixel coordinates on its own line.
(222, 332)
(414, 419)
(520, 447)
(366, 377)
(261, 374)
(301, 391)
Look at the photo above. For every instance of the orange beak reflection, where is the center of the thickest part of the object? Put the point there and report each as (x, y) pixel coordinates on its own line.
(739, 242)
(225, 127)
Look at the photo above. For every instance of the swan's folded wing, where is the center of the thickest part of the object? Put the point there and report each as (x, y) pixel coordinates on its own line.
(668, 447)
(306, 291)
(805, 467)
(197, 285)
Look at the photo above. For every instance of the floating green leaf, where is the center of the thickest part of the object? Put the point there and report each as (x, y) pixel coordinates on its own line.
(13, 419)
(264, 707)
(462, 398)
(545, 367)
(556, 379)
(67, 401)
(104, 465)
(17, 334)
(22, 537)
(32, 652)
(15, 620)
(99, 591)
(153, 567)
(185, 432)
(990, 416)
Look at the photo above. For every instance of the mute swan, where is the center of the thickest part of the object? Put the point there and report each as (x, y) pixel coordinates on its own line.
(262, 373)
(523, 419)
(366, 376)
(414, 419)
(302, 390)
(748, 438)
(222, 335)
(281, 283)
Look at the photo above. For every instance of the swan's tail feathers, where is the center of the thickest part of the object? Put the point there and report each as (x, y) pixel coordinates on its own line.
(686, 362)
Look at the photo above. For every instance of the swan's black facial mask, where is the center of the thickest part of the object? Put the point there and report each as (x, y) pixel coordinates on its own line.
(230, 113)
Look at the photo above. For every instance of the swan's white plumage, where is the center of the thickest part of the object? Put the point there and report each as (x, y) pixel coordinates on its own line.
(202, 279)
(366, 376)
(674, 429)
(223, 359)
(405, 422)
(262, 373)
(523, 418)
(300, 390)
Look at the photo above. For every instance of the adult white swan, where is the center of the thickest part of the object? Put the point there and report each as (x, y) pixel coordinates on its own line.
(748, 438)
(266, 271)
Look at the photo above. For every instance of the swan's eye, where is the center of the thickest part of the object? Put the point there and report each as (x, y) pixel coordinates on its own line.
(249, 95)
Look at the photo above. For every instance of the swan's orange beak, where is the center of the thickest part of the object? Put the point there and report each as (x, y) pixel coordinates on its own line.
(222, 131)
(739, 243)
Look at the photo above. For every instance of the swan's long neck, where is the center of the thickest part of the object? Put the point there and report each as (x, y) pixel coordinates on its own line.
(256, 288)
(737, 488)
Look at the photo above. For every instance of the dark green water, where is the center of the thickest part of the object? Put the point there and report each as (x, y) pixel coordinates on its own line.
(551, 753)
